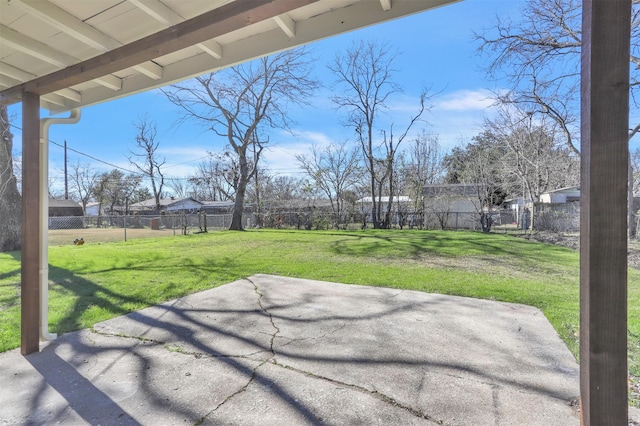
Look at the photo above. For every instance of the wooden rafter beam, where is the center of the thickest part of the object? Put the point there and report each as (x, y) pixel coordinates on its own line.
(168, 17)
(230, 17)
(81, 31)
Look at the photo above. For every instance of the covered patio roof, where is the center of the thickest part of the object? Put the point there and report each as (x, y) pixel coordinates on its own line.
(75, 53)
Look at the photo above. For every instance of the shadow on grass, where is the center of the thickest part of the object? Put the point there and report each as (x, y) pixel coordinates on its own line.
(417, 244)
(13, 274)
(88, 295)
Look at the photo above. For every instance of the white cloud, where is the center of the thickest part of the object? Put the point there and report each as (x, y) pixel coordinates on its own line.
(309, 137)
(281, 159)
(465, 100)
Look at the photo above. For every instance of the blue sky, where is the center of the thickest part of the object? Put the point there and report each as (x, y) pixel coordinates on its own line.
(436, 50)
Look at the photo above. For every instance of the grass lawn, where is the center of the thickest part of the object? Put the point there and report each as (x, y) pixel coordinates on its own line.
(97, 281)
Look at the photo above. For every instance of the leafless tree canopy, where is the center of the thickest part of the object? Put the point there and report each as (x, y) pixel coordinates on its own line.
(145, 156)
(238, 102)
(535, 161)
(215, 178)
(113, 190)
(365, 82)
(422, 166)
(83, 181)
(335, 170)
(540, 57)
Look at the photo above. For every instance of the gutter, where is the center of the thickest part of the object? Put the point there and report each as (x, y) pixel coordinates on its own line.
(73, 118)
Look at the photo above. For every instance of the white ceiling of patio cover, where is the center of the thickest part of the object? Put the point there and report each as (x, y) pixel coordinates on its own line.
(41, 38)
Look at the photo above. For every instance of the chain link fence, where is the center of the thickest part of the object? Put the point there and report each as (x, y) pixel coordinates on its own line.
(118, 227)
(557, 218)
(185, 223)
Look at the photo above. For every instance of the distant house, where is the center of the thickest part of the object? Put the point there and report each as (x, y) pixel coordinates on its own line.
(167, 206)
(561, 196)
(216, 207)
(558, 210)
(399, 204)
(452, 206)
(64, 208)
(384, 200)
(92, 209)
(65, 214)
(458, 197)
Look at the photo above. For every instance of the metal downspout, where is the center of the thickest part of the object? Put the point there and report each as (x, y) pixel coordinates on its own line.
(73, 118)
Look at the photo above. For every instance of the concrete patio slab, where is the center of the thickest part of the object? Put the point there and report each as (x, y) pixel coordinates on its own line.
(270, 350)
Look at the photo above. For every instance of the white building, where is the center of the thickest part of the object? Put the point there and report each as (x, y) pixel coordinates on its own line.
(167, 205)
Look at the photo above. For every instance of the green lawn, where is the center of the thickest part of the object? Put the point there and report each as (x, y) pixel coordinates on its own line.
(95, 282)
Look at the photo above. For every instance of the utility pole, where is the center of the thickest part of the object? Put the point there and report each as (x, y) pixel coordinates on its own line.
(66, 180)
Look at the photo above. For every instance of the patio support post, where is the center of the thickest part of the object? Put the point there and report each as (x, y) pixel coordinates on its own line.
(30, 250)
(603, 214)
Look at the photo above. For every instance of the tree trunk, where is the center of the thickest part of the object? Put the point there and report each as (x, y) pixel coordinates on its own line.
(374, 205)
(631, 212)
(238, 206)
(10, 199)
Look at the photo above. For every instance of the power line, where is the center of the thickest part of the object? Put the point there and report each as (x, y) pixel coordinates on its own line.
(278, 171)
(86, 155)
(113, 165)
(96, 159)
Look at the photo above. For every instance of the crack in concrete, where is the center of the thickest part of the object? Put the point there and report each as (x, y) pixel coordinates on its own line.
(302, 339)
(385, 398)
(127, 336)
(496, 404)
(255, 370)
(266, 311)
(374, 393)
(230, 397)
(271, 359)
(172, 347)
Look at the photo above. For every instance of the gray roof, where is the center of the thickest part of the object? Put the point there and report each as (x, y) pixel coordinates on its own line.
(451, 189)
(164, 202)
(63, 203)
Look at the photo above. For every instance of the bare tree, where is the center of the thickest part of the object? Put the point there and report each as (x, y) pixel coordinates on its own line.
(540, 57)
(10, 199)
(178, 187)
(478, 166)
(423, 166)
(114, 189)
(216, 177)
(365, 78)
(234, 103)
(535, 161)
(282, 187)
(635, 161)
(391, 146)
(439, 204)
(83, 181)
(145, 156)
(334, 169)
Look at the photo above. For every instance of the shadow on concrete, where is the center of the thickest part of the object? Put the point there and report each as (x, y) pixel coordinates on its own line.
(268, 349)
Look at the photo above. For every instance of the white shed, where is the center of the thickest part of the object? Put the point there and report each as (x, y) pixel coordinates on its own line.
(561, 196)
